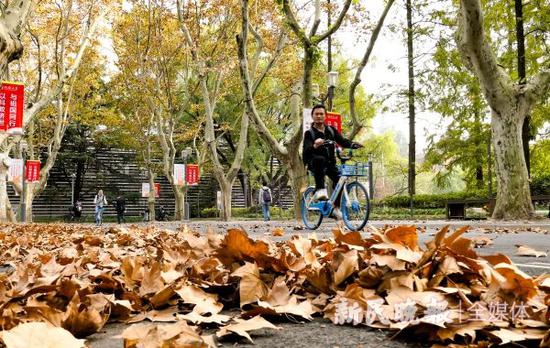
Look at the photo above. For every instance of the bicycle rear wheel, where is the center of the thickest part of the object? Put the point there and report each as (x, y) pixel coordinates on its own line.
(356, 207)
(311, 218)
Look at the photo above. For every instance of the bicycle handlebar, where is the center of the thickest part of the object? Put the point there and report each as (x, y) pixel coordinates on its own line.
(339, 152)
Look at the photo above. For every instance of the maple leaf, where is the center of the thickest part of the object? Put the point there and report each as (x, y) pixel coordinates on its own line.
(241, 327)
(251, 287)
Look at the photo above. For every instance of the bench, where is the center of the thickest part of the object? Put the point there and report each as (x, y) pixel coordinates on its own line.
(456, 209)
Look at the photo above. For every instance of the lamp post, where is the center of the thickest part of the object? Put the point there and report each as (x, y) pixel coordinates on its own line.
(73, 178)
(185, 153)
(23, 205)
(332, 81)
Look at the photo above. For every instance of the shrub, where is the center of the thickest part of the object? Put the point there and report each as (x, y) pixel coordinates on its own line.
(540, 185)
(430, 201)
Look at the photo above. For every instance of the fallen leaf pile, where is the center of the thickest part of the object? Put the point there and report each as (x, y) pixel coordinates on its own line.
(66, 282)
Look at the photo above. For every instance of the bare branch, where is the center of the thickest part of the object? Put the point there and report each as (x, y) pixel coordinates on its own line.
(356, 124)
(262, 129)
(336, 24)
(293, 24)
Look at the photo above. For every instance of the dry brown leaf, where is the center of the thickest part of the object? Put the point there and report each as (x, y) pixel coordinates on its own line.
(516, 282)
(277, 232)
(238, 246)
(524, 250)
(497, 258)
(404, 235)
(346, 267)
(242, 327)
(152, 282)
(481, 241)
(40, 335)
(196, 318)
(303, 309)
(204, 302)
(353, 238)
(251, 287)
(172, 335)
(279, 294)
(388, 260)
(82, 320)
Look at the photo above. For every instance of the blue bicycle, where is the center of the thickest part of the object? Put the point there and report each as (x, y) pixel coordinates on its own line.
(355, 204)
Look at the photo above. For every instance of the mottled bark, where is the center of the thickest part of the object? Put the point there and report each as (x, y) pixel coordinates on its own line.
(13, 18)
(510, 104)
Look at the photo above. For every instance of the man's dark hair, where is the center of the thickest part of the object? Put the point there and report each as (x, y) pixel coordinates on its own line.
(264, 182)
(318, 106)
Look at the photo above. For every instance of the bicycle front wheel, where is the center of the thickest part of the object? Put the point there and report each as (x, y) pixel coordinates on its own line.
(311, 218)
(355, 206)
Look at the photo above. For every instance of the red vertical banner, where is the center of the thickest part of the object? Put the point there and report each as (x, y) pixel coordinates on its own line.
(12, 104)
(157, 190)
(334, 119)
(32, 171)
(192, 174)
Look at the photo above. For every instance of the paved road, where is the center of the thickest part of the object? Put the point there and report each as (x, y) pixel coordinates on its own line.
(320, 333)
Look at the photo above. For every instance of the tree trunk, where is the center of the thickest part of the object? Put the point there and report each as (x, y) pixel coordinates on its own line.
(510, 104)
(298, 182)
(29, 199)
(179, 195)
(151, 198)
(309, 63)
(3, 188)
(412, 134)
(513, 195)
(225, 188)
(520, 38)
(477, 139)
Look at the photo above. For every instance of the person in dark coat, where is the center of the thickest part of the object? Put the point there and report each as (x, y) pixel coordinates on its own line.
(120, 207)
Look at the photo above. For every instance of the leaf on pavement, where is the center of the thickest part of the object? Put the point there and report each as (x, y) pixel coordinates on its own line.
(169, 335)
(278, 232)
(242, 327)
(40, 335)
(524, 250)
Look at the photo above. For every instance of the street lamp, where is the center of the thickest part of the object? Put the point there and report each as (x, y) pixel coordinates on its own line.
(185, 153)
(332, 81)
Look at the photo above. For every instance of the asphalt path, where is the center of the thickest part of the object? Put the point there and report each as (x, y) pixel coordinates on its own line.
(322, 333)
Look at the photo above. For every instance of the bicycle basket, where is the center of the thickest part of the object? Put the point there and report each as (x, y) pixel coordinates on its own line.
(357, 169)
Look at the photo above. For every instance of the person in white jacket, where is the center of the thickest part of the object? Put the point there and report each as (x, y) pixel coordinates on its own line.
(265, 199)
(100, 203)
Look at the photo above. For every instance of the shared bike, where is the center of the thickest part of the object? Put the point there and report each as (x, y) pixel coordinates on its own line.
(355, 202)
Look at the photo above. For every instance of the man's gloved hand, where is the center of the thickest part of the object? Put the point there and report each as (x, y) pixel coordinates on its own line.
(356, 146)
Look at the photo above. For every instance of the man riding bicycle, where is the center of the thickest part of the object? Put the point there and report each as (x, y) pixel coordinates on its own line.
(319, 155)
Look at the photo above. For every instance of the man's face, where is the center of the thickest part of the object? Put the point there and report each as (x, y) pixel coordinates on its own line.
(319, 115)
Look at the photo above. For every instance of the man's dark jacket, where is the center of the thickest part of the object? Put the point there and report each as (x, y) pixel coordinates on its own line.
(325, 151)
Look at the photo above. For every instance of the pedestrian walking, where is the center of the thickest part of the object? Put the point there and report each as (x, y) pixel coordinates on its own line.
(100, 202)
(120, 207)
(265, 199)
